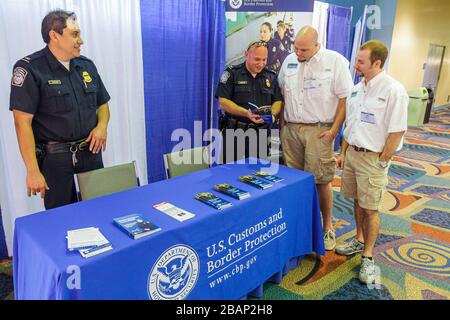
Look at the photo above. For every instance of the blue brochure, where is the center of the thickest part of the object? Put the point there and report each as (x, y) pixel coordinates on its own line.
(231, 191)
(136, 225)
(213, 200)
(268, 177)
(264, 111)
(256, 182)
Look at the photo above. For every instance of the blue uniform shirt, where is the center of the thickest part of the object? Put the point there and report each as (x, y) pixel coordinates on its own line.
(239, 86)
(64, 103)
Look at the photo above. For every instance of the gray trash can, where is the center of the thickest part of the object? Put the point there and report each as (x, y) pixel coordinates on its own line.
(418, 100)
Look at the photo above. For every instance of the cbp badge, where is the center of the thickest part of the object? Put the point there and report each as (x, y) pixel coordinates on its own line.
(87, 78)
(174, 274)
(267, 83)
(19, 76)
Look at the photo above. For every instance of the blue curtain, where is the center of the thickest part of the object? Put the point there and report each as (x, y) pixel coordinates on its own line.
(338, 39)
(3, 249)
(338, 29)
(184, 55)
(363, 32)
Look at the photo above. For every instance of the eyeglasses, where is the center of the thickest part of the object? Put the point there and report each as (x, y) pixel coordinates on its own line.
(257, 44)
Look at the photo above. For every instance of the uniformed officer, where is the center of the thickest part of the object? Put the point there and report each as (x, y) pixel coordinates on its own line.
(60, 111)
(376, 120)
(276, 50)
(285, 34)
(315, 83)
(249, 82)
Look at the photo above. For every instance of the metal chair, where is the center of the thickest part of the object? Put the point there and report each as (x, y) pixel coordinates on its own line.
(186, 161)
(100, 182)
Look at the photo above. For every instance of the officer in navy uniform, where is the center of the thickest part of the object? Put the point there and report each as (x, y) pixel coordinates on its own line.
(60, 111)
(285, 34)
(276, 50)
(249, 82)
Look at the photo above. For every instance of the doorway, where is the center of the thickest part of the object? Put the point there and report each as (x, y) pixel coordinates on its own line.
(433, 67)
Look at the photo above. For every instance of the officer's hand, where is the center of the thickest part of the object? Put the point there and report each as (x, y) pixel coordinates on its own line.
(328, 136)
(340, 161)
(97, 139)
(36, 184)
(254, 117)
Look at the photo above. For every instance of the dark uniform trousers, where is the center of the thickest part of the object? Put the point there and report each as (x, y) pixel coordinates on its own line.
(58, 170)
(236, 147)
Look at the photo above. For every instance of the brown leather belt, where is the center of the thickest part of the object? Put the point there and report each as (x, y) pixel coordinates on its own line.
(314, 124)
(358, 149)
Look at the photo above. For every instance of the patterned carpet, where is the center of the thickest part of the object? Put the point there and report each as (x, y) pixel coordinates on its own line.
(413, 249)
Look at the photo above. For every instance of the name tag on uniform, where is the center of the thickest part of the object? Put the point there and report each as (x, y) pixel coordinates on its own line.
(292, 65)
(242, 82)
(309, 84)
(354, 94)
(367, 117)
(54, 81)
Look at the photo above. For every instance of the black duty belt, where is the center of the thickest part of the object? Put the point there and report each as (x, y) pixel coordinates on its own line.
(237, 124)
(53, 147)
(358, 149)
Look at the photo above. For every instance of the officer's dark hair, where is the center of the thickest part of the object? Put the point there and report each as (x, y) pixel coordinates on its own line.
(378, 51)
(268, 25)
(55, 20)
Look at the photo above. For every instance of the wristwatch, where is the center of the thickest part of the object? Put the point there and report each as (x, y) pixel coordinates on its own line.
(383, 164)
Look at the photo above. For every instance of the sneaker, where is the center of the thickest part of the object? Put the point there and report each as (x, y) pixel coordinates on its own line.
(329, 239)
(349, 248)
(368, 272)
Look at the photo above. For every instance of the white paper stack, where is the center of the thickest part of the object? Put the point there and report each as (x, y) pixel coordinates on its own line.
(88, 241)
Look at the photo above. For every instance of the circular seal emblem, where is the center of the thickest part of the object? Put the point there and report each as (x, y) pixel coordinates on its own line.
(174, 274)
(235, 4)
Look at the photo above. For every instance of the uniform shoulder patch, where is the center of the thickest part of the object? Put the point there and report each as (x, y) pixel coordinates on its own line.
(19, 76)
(225, 76)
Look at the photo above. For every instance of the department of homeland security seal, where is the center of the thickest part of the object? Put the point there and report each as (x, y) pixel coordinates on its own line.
(235, 4)
(174, 274)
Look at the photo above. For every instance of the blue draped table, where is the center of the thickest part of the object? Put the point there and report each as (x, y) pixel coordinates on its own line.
(224, 254)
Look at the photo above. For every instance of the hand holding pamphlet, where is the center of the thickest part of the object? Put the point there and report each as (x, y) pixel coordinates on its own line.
(265, 112)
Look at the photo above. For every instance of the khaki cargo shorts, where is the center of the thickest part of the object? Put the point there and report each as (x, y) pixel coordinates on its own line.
(363, 179)
(303, 150)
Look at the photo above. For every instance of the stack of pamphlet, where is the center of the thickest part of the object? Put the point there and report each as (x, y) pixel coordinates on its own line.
(256, 182)
(268, 177)
(136, 225)
(213, 200)
(231, 191)
(88, 241)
